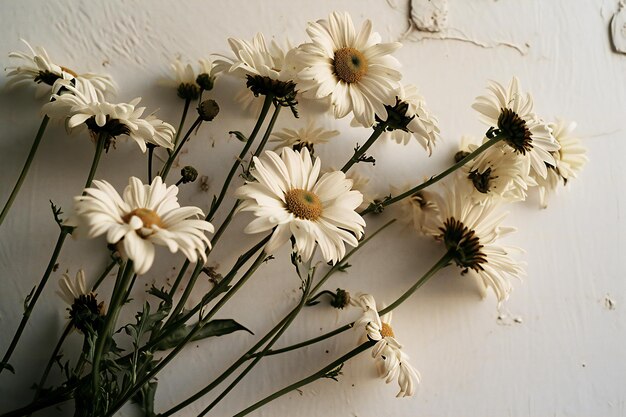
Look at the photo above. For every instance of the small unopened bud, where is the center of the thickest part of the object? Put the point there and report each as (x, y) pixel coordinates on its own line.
(208, 110)
(341, 299)
(188, 174)
(205, 81)
(460, 155)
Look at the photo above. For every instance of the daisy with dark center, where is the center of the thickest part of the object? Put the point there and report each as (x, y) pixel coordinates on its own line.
(391, 362)
(569, 160)
(470, 233)
(144, 216)
(305, 137)
(85, 313)
(290, 197)
(184, 80)
(353, 68)
(510, 112)
(37, 67)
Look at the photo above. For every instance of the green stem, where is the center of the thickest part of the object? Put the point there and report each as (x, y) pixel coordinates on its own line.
(267, 134)
(117, 299)
(146, 378)
(432, 180)
(150, 154)
(182, 121)
(102, 139)
(168, 164)
(104, 274)
(317, 375)
(360, 151)
(443, 261)
(233, 170)
(343, 262)
(29, 160)
(31, 304)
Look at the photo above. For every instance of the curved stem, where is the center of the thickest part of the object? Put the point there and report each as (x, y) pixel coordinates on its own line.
(29, 160)
(317, 375)
(168, 164)
(233, 170)
(104, 274)
(35, 297)
(378, 206)
(360, 151)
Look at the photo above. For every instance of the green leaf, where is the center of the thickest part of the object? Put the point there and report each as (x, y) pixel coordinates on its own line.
(239, 135)
(211, 329)
(144, 398)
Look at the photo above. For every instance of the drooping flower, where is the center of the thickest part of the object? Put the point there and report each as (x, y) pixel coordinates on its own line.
(184, 80)
(291, 198)
(144, 216)
(354, 68)
(86, 314)
(510, 112)
(391, 362)
(570, 159)
(37, 67)
(422, 126)
(470, 233)
(81, 107)
(417, 209)
(305, 137)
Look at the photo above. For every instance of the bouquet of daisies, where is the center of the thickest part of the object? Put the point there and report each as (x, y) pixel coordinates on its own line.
(289, 196)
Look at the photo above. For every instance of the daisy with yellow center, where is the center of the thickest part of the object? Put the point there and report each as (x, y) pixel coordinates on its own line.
(144, 216)
(510, 112)
(353, 68)
(290, 198)
(391, 362)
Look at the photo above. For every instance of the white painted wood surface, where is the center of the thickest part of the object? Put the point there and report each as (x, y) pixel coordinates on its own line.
(565, 353)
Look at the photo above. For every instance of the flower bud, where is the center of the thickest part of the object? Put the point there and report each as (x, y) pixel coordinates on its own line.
(205, 81)
(208, 110)
(188, 174)
(341, 299)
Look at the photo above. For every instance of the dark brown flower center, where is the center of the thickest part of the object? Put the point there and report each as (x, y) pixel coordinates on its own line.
(148, 217)
(350, 65)
(515, 131)
(463, 244)
(482, 180)
(303, 204)
(86, 314)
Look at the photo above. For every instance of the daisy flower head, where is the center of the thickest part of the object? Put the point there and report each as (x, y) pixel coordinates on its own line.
(353, 68)
(36, 66)
(290, 197)
(418, 209)
(80, 107)
(207, 74)
(145, 215)
(470, 233)
(498, 172)
(416, 122)
(510, 112)
(184, 79)
(569, 160)
(86, 314)
(391, 362)
(305, 137)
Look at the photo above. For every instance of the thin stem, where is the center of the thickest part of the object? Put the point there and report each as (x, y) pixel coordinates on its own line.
(150, 154)
(104, 274)
(443, 261)
(182, 121)
(117, 299)
(31, 304)
(233, 170)
(146, 378)
(29, 160)
(183, 299)
(360, 151)
(343, 262)
(102, 139)
(168, 164)
(432, 180)
(267, 134)
(317, 375)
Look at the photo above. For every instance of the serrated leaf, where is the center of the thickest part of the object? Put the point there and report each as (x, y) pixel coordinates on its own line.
(144, 398)
(211, 329)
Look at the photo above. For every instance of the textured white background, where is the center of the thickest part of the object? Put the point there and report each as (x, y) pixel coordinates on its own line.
(566, 354)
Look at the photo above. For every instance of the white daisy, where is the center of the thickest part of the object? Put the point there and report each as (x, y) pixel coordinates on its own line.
(38, 67)
(470, 233)
(71, 290)
(85, 313)
(417, 209)
(80, 107)
(498, 172)
(423, 126)
(510, 112)
(570, 159)
(144, 216)
(307, 136)
(290, 198)
(355, 69)
(183, 78)
(392, 363)
(207, 74)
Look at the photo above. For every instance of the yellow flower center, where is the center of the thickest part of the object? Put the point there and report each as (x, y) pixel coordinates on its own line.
(147, 216)
(350, 65)
(386, 331)
(303, 204)
(69, 71)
